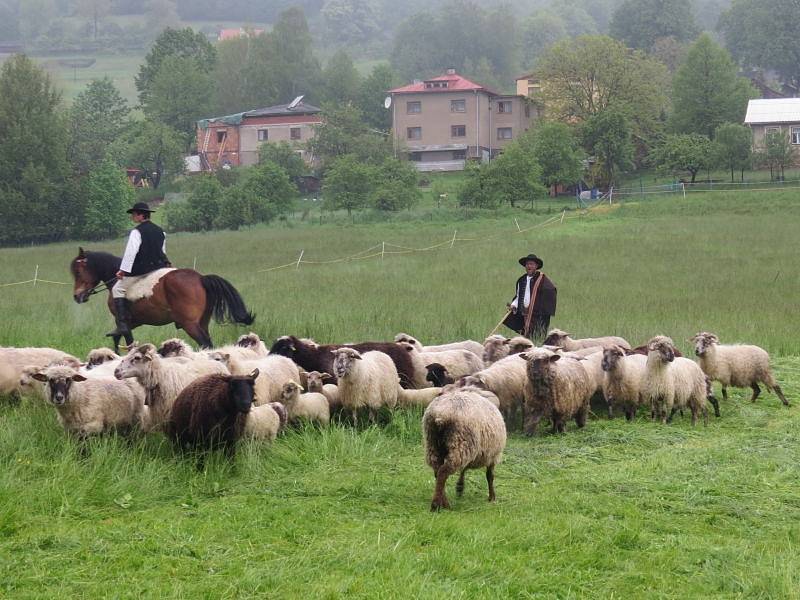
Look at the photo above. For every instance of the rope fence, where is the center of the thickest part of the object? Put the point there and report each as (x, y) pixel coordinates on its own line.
(34, 281)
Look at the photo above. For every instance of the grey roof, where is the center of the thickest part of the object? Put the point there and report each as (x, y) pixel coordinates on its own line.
(773, 110)
(282, 110)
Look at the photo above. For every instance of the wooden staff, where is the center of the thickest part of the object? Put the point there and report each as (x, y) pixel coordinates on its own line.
(496, 327)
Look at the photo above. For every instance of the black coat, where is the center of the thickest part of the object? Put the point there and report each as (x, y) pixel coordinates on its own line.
(544, 305)
(150, 256)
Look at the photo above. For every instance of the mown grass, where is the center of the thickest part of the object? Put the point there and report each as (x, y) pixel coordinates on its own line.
(617, 509)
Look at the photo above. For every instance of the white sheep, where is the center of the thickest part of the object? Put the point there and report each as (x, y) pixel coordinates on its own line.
(463, 430)
(262, 423)
(14, 360)
(162, 378)
(176, 347)
(252, 342)
(497, 346)
(458, 363)
(735, 365)
(99, 356)
(622, 384)
(506, 379)
(311, 406)
(556, 387)
(367, 380)
(421, 397)
(562, 339)
(90, 406)
(273, 371)
(471, 345)
(671, 383)
(329, 390)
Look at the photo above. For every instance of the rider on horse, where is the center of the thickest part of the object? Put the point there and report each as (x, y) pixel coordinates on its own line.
(145, 253)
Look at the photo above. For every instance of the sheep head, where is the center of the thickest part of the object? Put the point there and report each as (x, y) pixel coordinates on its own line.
(438, 375)
(663, 346)
(290, 391)
(136, 362)
(556, 337)
(285, 346)
(404, 338)
(495, 347)
(241, 391)
(99, 356)
(315, 380)
(703, 341)
(344, 360)
(248, 340)
(59, 380)
(174, 347)
(519, 344)
(611, 356)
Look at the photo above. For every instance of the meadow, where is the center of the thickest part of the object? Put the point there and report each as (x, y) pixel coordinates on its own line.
(615, 510)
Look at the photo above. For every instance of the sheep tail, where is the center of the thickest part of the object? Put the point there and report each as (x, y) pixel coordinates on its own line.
(224, 302)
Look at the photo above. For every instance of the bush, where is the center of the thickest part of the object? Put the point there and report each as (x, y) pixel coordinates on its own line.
(108, 195)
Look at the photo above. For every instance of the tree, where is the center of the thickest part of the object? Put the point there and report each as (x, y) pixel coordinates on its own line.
(98, 116)
(640, 23)
(270, 183)
(162, 14)
(540, 31)
(182, 43)
(397, 186)
(734, 144)
(343, 132)
(669, 52)
(557, 152)
(37, 200)
(476, 190)
(707, 90)
(93, 10)
(777, 153)
(515, 176)
(371, 96)
(178, 94)
(607, 135)
(684, 152)
(285, 156)
(243, 74)
(348, 184)
(349, 21)
(295, 70)
(340, 79)
(764, 33)
(204, 198)
(153, 147)
(108, 195)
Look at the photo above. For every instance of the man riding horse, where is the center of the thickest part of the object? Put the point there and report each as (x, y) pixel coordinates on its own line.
(144, 253)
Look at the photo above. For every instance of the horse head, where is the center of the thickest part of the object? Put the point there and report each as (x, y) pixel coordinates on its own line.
(84, 276)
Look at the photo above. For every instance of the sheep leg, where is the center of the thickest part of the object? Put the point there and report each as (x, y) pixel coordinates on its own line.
(531, 423)
(460, 483)
(715, 404)
(629, 414)
(490, 481)
(756, 391)
(779, 391)
(580, 416)
(724, 392)
(439, 496)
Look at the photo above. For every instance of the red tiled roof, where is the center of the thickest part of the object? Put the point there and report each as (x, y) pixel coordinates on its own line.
(232, 34)
(455, 83)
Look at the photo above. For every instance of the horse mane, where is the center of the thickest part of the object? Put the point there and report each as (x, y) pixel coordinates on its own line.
(103, 264)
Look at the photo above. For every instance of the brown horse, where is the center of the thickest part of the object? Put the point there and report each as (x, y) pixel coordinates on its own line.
(182, 296)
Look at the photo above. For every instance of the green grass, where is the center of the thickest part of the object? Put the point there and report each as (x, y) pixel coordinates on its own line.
(617, 509)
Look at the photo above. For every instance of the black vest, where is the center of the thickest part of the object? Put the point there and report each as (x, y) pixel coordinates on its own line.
(150, 256)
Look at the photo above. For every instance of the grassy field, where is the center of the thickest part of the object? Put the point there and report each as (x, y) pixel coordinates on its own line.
(617, 509)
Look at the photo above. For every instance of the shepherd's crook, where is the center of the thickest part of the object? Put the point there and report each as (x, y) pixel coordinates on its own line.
(496, 327)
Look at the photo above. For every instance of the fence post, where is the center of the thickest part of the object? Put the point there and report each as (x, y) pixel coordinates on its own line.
(297, 266)
(518, 229)
(194, 264)
(35, 275)
(683, 187)
(562, 216)
(383, 249)
(453, 241)
(610, 194)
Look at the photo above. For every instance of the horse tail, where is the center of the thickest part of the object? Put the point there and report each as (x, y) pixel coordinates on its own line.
(224, 301)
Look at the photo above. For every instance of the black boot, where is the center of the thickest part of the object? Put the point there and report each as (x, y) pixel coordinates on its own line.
(122, 308)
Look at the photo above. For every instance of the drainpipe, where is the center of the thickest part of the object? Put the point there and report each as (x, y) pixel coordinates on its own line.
(489, 100)
(477, 125)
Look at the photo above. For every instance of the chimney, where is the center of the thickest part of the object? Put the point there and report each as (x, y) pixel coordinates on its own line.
(451, 71)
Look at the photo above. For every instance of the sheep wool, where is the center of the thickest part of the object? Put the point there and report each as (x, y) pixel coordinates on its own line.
(312, 407)
(622, 382)
(562, 339)
(366, 380)
(671, 382)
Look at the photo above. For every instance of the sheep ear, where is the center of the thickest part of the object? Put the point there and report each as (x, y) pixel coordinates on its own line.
(78, 377)
(506, 342)
(523, 355)
(226, 357)
(81, 253)
(357, 356)
(333, 351)
(328, 375)
(39, 376)
(253, 374)
(555, 357)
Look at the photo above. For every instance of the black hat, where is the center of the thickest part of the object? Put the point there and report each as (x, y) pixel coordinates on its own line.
(141, 207)
(532, 257)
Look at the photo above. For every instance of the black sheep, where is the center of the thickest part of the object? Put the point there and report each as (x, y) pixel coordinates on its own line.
(438, 375)
(210, 412)
(319, 357)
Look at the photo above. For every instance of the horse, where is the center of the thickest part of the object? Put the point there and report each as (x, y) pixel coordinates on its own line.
(181, 296)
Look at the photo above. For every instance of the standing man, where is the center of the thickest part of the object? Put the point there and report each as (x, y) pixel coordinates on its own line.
(145, 253)
(534, 302)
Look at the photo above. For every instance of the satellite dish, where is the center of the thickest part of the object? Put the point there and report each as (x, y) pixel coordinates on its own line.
(387, 102)
(296, 101)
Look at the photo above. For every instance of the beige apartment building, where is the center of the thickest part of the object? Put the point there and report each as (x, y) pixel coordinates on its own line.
(443, 121)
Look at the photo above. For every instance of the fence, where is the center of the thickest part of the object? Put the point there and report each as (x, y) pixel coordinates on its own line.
(684, 188)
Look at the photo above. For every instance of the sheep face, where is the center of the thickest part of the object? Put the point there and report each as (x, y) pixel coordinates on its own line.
(404, 338)
(241, 391)
(136, 362)
(703, 341)
(174, 347)
(284, 346)
(59, 381)
(438, 375)
(221, 357)
(519, 344)
(662, 346)
(556, 337)
(611, 356)
(471, 381)
(344, 359)
(314, 379)
(99, 356)
(290, 392)
(249, 340)
(539, 361)
(494, 348)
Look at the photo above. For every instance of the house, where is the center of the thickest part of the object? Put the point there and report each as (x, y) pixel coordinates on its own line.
(233, 140)
(774, 114)
(238, 32)
(528, 85)
(440, 122)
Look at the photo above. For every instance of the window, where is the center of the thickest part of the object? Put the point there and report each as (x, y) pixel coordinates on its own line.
(263, 135)
(458, 106)
(527, 111)
(221, 135)
(459, 154)
(458, 131)
(415, 156)
(504, 133)
(414, 108)
(430, 85)
(504, 106)
(414, 133)
(294, 133)
(795, 135)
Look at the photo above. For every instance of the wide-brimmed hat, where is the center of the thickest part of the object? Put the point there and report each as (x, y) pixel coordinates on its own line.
(532, 257)
(141, 207)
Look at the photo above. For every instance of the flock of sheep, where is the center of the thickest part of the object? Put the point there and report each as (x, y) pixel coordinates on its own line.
(471, 392)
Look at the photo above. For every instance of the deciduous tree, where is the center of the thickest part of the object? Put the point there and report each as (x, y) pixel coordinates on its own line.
(179, 94)
(108, 195)
(607, 136)
(684, 153)
(734, 145)
(640, 23)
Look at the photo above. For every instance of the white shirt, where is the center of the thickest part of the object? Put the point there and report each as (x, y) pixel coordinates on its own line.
(134, 242)
(527, 298)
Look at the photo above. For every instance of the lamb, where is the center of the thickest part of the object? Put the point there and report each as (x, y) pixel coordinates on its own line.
(283, 415)
(438, 375)
(559, 338)
(329, 390)
(28, 385)
(14, 360)
(365, 380)
(463, 430)
(312, 406)
(459, 363)
(317, 357)
(471, 345)
(672, 383)
(176, 347)
(421, 397)
(557, 388)
(274, 372)
(211, 412)
(163, 378)
(736, 365)
(506, 379)
(496, 347)
(90, 406)
(263, 422)
(99, 356)
(253, 343)
(622, 385)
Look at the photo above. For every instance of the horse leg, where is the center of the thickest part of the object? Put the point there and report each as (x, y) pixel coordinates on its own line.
(116, 339)
(200, 335)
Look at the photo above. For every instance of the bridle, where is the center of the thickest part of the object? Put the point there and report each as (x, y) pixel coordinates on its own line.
(98, 288)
